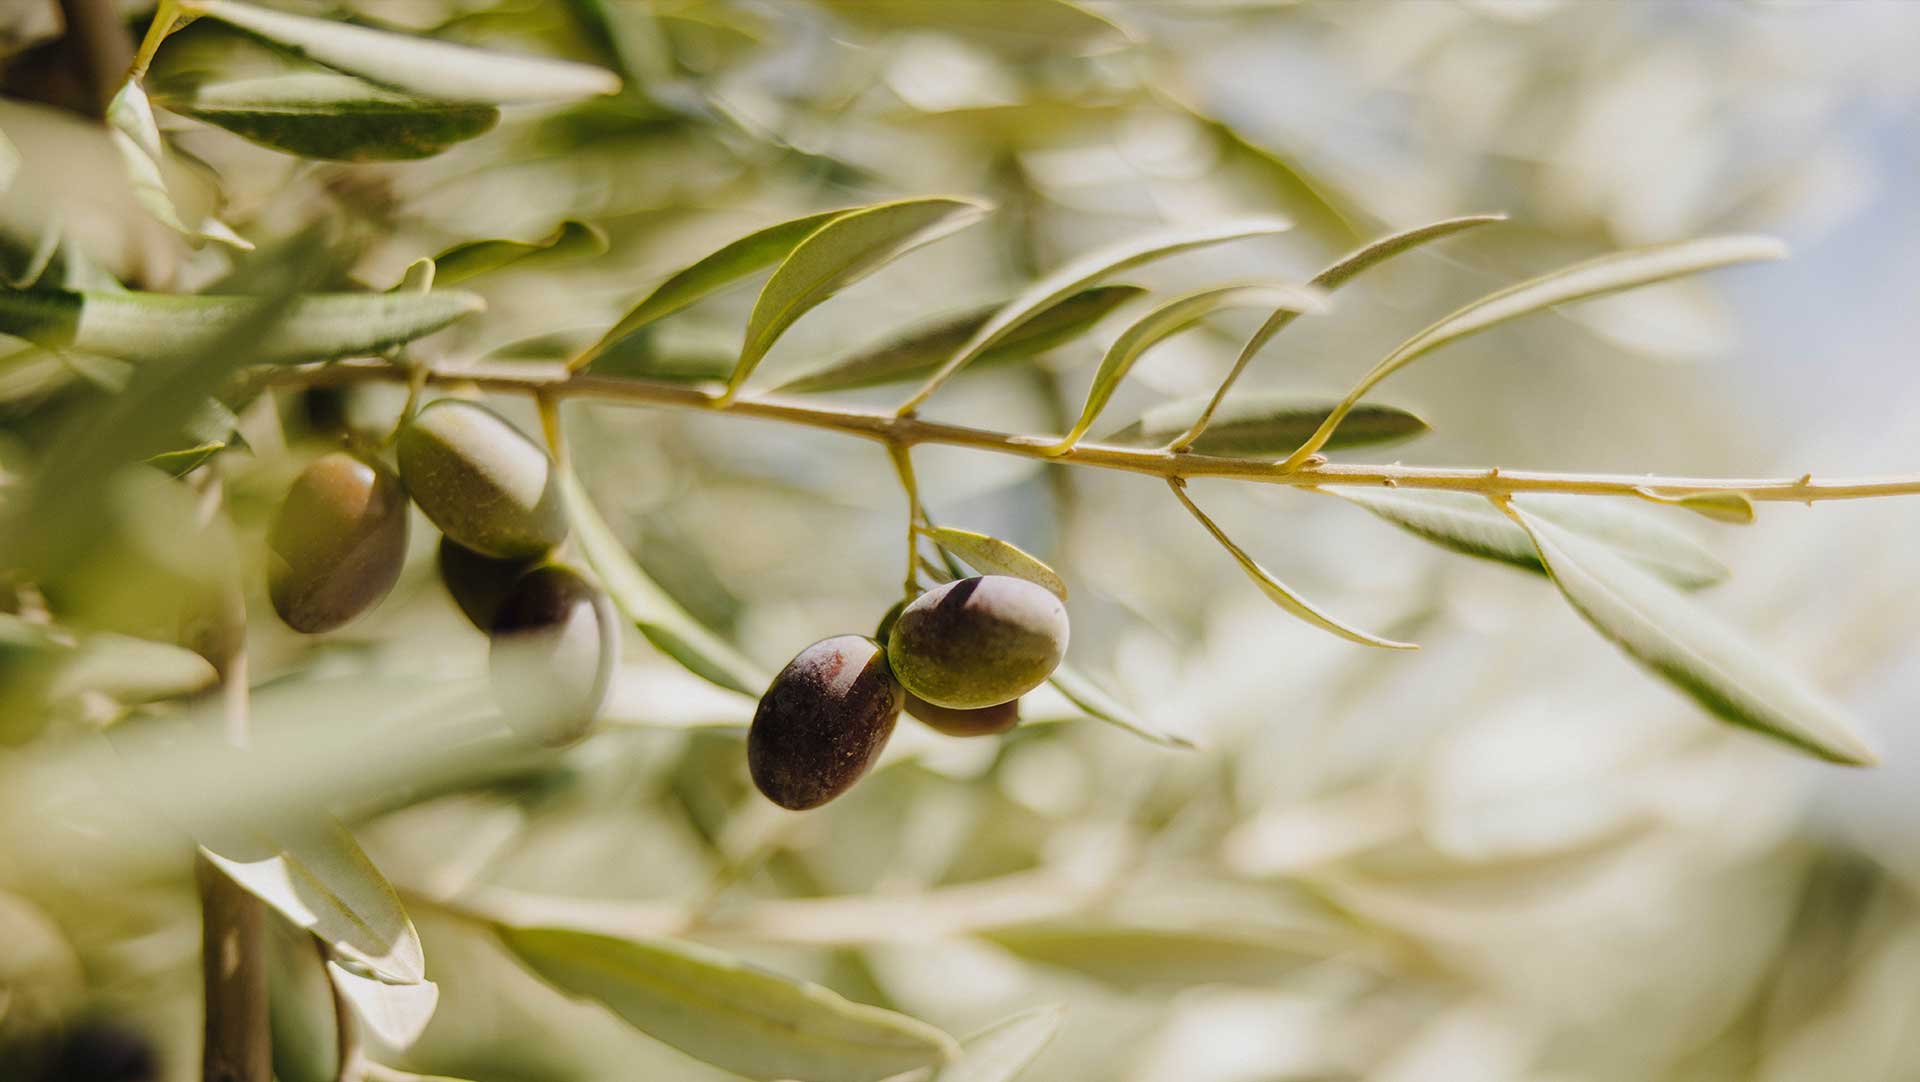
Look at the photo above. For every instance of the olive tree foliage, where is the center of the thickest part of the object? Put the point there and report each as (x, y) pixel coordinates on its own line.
(701, 331)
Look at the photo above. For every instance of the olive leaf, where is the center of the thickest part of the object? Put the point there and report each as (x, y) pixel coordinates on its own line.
(992, 556)
(665, 624)
(846, 249)
(331, 116)
(431, 69)
(724, 1012)
(920, 351)
(1733, 507)
(1468, 524)
(1282, 594)
(1081, 690)
(395, 1013)
(311, 327)
(570, 239)
(1342, 271)
(316, 877)
(1137, 959)
(1610, 273)
(9, 162)
(300, 1007)
(1169, 319)
(131, 128)
(1036, 25)
(1002, 1051)
(1258, 423)
(1688, 646)
(757, 250)
(1086, 271)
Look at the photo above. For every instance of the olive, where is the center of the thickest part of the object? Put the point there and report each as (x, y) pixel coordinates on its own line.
(822, 722)
(478, 584)
(482, 481)
(978, 642)
(980, 721)
(555, 644)
(337, 543)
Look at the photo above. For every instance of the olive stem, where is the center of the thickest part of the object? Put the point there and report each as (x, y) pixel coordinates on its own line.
(886, 427)
(165, 15)
(556, 436)
(902, 457)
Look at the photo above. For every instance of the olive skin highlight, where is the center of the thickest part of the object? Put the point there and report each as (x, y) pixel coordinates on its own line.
(978, 642)
(555, 643)
(822, 722)
(337, 543)
(482, 481)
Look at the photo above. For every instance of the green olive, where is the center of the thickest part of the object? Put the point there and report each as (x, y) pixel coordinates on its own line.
(555, 644)
(482, 481)
(478, 584)
(980, 721)
(822, 722)
(978, 642)
(337, 544)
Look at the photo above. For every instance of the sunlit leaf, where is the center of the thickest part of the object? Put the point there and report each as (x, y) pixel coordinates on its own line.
(334, 117)
(1002, 1051)
(1085, 271)
(9, 162)
(130, 670)
(665, 624)
(395, 1013)
(131, 127)
(1143, 959)
(992, 556)
(757, 250)
(571, 239)
(1733, 507)
(1024, 26)
(1468, 524)
(1169, 319)
(1594, 278)
(840, 253)
(1282, 594)
(433, 69)
(1083, 692)
(312, 327)
(1258, 423)
(1342, 271)
(1691, 648)
(919, 352)
(318, 878)
(717, 1009)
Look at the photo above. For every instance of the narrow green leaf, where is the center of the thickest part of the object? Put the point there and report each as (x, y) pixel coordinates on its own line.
(129, 670)
(1089, 270)
(9, 162)
(1468, 524)
(1030, 25)
(1143, 959)
(318, 878)
(1691, 648)
(1003, 1051)
(300, 1007)
(736, 1017)
(1083, 692)
(1169, 319)
(919, 352)
(1594, 278)
(313, 327)
(840, 253)
(1282, 594)
(1258, 423)
(334, 117)
(755, 251)
(395, 1013)
(571, 239)
(131, 127)
(1347, 268)
(665, 624)
(433, 69)
(992, 556)
(1733, 507)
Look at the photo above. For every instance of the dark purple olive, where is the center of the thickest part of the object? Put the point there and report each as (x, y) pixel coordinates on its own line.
(337, 544)
(978, 642)
(555, 644)
(478, 584)
(823, 721)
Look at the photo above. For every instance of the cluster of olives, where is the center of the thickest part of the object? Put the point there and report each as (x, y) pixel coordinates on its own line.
(957, 658)
(340, 538)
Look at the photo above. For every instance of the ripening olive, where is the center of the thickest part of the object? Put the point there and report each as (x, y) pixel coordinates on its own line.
(478, 584)
(337, 544)
(555, 643)
(981, 721)
(978, 642)
(822, 722)
(483, 482)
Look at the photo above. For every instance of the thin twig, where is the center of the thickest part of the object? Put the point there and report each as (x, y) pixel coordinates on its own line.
(902, 457)
(1156, 462)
